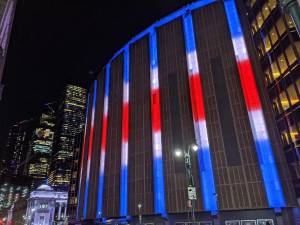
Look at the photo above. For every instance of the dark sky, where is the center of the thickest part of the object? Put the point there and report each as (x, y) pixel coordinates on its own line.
(54, 42)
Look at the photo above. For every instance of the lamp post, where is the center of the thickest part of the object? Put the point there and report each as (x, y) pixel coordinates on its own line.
(140, 215)
(192, 195)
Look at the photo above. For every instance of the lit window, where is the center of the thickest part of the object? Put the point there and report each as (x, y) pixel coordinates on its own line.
(290, 55)
(294, 133)
(259, 19)
(280, 26)
(273, 35)
(272, 4)
(284, 100)
(265, 11)
(289, 21)
(292, 94)
(285, 137)
(268, 76)
(275, 70)
(254, 27)
(267, 43)
(276, 105)
(282, 63)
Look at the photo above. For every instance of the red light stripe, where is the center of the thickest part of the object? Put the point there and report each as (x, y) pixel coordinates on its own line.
(196, 97)
(125, 121)
(249, 86)
(155, 102)
(104, 132)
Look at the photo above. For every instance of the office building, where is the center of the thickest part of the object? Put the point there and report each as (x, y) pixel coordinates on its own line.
(74, 182)
(17, 147)
(192, 77)
(41, 145)
(69, 123)
(278, 48)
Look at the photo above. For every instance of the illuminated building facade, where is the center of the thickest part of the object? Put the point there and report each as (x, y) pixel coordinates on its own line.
(46, 206)
(7, 11)
(69, 123)
(189, 78)
(42, 144)
(17, 147)
(278, 47)
(74, 182)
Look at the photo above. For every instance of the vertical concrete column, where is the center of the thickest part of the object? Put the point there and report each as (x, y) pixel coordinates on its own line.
(59, 211)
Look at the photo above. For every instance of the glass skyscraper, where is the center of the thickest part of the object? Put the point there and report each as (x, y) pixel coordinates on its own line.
(69, 123)
(41, 145)
(278, 48)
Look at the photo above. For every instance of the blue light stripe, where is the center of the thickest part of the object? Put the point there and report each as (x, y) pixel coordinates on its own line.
(101, 176)
(87, 180)
(124, 169)
(158, 173)
(82, 156)
(204, 157)
(263, 145)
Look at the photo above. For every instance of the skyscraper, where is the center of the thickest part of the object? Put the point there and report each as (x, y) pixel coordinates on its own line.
(192, 77)
(278, 48)
(18, 145)
(7, 11)
(42, 144)
(69, 123)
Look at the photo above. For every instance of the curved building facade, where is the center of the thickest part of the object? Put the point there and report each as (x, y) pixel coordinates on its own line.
(191, 77)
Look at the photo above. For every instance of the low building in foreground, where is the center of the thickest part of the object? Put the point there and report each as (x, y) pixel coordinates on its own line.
(46, 206)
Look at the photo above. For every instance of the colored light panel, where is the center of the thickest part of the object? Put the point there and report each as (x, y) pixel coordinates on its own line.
(258, 125)
(82, 156)
(88, 169)
(158, 173)
(103, 143)
(124, 148)
(204, 158)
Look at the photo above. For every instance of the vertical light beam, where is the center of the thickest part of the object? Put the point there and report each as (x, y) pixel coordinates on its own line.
(255, 113)
(103, 143)
(158, 173)
(91, 137)
(82, 156)
(125, 127)
(196, 94)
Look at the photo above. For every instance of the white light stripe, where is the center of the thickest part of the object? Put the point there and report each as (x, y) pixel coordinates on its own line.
(157, 146)
(102, 162)
(105, 106)
(240, 49)
(192, 62)
(154, 78)
(125, 92)
(124, 153)
(258, 125)
(201, 133)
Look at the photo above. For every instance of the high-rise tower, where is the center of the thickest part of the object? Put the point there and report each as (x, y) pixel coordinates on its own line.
(69, 123)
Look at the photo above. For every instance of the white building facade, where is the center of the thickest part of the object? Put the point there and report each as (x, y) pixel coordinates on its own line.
(46, 207)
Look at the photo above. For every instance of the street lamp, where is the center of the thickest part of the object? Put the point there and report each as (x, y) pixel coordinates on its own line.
(192, 195)
(140, 215)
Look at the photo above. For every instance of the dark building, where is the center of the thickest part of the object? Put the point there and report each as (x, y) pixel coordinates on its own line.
(41, 145)
(7, 11)
(192, 77)
(69, 123)
(74, 181)
(17, 147)
(278, 48)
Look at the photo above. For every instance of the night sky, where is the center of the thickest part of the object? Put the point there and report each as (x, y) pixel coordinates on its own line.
(54, 42)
